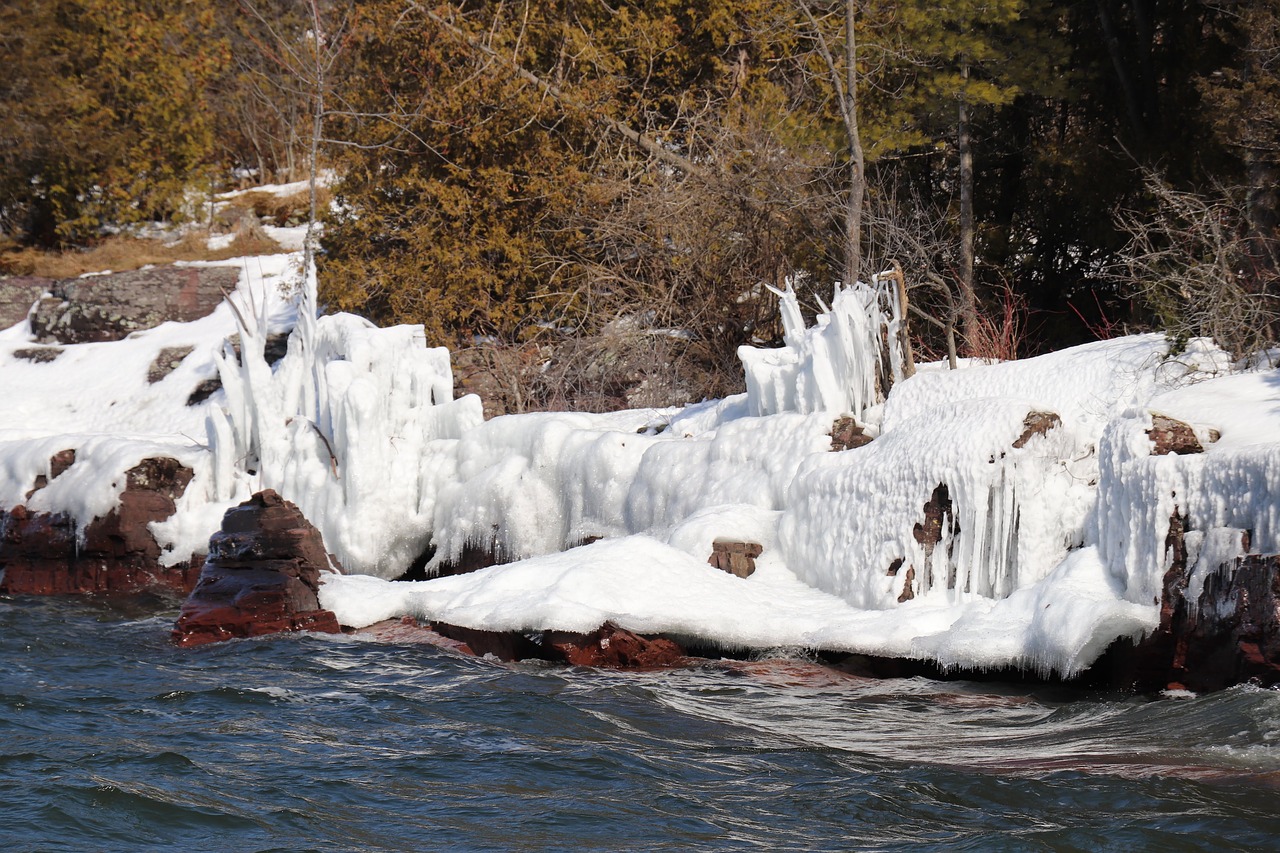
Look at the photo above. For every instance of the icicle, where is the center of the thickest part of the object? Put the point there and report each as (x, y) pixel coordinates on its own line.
(830, 367)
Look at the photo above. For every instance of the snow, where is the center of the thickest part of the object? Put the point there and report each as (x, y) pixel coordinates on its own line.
(1051, 550)
(323, 179)
(291, 238)
(96, 399)
(642, 585)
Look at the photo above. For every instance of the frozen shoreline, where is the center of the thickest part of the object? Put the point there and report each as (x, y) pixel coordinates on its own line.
(959, 535)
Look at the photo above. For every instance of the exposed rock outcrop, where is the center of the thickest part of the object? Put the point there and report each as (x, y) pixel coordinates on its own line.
(17, 294)
(1232, 635)
(274, 349)
(1219, 617)
(1222, 631)
(608, 647)
(847, 434)
(503, 645)
(1173, 436)
(409, 631)
(1036, 423)
(939, 519)
(614, 648)
(736, 558)
(167, 361)
(43, 554)
(110, 307)
(261, 577)
(38, 355)
(473, 558)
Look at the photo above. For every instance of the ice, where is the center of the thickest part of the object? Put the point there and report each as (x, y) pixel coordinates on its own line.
(1015, 511)
(642, 585)
(347, 427)
(1234, 484)
(1025, 529)
(528, 485)
(836, 365)
(1059, 626)
(1052, 544)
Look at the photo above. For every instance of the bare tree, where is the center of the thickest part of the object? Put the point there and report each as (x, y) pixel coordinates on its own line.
(964, 281)
(1194, 263)
(307, 60)
(919, 239)
(845, 86)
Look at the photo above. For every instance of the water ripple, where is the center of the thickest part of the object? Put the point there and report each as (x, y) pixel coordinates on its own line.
(110, 739)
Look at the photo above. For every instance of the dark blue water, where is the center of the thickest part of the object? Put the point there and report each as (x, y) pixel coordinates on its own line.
(110, 739)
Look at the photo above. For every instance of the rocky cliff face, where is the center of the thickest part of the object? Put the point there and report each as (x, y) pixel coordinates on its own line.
(109, 307)
(261, 577)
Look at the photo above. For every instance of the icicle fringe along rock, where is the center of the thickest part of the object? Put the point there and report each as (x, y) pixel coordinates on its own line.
(1015, 448)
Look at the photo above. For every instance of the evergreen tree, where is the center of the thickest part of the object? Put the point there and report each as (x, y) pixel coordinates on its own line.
(563, 164)
(105, 117)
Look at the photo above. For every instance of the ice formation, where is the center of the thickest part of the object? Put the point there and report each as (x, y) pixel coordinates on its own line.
(1005, 515)
(841, 364)
(351, 426)
(1018, 499)
(1231, 488)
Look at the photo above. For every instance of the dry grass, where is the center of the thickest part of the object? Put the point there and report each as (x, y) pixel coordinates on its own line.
(275, 209)
(123, 253)
(240, 215)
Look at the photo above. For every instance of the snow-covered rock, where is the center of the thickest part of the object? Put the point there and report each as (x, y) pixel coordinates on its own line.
(1004, 515)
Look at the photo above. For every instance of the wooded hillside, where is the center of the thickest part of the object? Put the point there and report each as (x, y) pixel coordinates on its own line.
(618, 184)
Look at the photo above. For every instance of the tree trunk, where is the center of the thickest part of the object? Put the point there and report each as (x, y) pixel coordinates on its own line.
(857, 159)
(968, 296)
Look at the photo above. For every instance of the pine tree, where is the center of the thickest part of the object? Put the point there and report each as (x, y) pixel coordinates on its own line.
(105, 112)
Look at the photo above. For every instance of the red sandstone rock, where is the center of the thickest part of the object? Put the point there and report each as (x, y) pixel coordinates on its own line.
(1229, 634)
(42, 554)
(608, 647)
(503, 645)
(846, 434)
(407, 630)
(612, 647)
(939, 517)
(1036, 423)
(60, 462)
(908, 586)
(151, 491)
(261, 577)
(1173, 436)
(736, 558)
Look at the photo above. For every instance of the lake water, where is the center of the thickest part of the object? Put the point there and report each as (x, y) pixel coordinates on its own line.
(111, 739)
